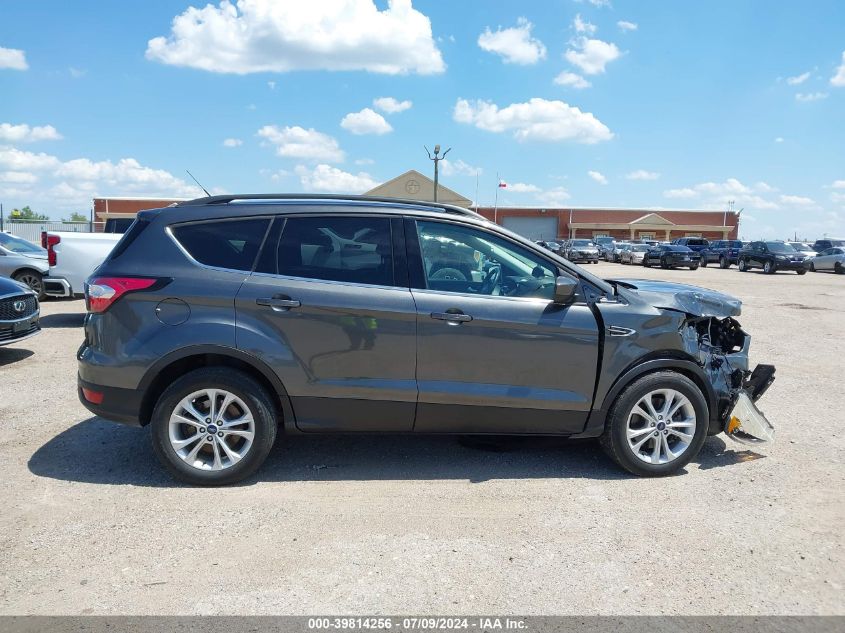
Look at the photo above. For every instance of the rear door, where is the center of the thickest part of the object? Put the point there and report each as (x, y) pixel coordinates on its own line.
(330, 310)
(494, 353)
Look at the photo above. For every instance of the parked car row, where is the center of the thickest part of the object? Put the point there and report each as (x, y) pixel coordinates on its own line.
(692, 252)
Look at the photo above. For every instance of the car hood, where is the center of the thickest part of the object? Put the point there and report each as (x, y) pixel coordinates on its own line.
(683, 297)
(10, 286)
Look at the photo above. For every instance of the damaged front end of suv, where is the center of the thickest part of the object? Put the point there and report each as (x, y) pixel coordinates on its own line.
(711, 335)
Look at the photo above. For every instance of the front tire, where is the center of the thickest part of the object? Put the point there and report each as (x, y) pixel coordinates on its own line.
(704, 262)
(724, 263)
(213, 426)
(769, 268)
(33, 280)
(656, 425)
(838, 268)
(742, 265)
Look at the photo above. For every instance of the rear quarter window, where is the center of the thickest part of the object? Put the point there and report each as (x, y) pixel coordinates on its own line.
(230, 244)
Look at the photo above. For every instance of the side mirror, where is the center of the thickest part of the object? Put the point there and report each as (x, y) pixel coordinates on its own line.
(565, 287)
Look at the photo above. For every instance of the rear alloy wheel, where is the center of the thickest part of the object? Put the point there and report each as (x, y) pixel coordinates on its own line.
(657, 425)
(213, 426)
(32, 280)
(742, 265)
(724, 263)
(769, 268)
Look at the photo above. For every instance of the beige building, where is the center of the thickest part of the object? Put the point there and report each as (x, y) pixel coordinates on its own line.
(414, 186)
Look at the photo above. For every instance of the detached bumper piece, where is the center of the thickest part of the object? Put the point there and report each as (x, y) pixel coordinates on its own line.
(746, 423)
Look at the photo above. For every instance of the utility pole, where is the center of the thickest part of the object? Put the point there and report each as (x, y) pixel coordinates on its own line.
(1, 217)
(436, 160)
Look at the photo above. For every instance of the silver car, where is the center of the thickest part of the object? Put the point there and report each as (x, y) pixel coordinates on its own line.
(633, 254)
(830, 259)
(24, 262)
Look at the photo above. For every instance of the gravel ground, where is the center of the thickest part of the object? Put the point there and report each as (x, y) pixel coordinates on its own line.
(91, 525)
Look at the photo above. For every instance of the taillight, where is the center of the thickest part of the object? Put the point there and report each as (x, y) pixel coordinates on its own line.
(49, 241)
(102, 292)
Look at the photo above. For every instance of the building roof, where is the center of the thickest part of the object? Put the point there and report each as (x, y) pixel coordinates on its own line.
(414, 185)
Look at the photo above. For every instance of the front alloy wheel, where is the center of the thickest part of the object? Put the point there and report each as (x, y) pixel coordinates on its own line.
(768, 268)
(32, 280)
(742, 265)
(656, 425)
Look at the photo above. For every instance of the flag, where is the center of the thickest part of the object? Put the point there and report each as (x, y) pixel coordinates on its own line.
(502, 184)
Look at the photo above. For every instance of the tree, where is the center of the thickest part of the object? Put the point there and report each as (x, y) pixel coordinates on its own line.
(27, 214)
(75, 217)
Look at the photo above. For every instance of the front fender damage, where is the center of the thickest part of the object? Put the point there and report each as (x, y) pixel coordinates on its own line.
(721, 348)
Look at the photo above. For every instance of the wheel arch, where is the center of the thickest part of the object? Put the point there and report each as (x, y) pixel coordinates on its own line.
(27, 269)
(685, 366)
(182, 361)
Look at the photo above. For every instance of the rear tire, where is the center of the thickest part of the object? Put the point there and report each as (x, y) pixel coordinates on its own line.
(615, 440)
(769, 268)
(724, 263)
(838, 268)
(803, 271)
(812, 268)
(704, 262)
(258, 404)
(742, 265)
(694, 267)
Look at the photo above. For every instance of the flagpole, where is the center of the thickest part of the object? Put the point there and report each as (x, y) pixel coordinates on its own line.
(496, 202)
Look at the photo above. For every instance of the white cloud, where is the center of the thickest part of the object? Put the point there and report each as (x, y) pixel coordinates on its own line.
(515, 45)
(19, 160)
(554, 197)
(13, 59)
(328, 178)
(18, 177)
(581, 26)
(77, 73)
(798, 201)
(521, 187)
(837, 197)
(810, 96)
(838, 79)
(684, 192)
(22, 133)
(573, 80)
(600, 3)
(838, 184)
(798, 79)
(297, 142)
(271, 85)
(535, 120)
(779, 139)
(591, 55)
(391, 105)
(458, 167)
(232, 142)
(270, 36)
(717, 194)
(598, 177)
(624, 25)
(366, 121)
(642, 174)
(364, 161)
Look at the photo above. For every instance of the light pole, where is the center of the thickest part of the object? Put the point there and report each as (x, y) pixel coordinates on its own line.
(436, 160)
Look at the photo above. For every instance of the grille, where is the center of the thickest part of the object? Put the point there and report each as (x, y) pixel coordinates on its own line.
(7, 307)
(6, 333)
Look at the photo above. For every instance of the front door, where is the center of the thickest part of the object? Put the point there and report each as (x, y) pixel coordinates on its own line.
(326, 311)
(494, 353)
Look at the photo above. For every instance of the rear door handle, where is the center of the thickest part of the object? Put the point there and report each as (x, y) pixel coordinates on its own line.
(452, 318)
(278, 303)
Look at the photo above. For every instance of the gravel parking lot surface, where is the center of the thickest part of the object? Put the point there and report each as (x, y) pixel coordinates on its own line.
(92, 525)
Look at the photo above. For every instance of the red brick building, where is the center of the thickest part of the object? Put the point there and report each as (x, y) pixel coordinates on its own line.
(126, 208)
(545, 223)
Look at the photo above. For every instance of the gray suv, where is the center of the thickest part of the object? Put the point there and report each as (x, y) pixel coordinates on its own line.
(224, 321)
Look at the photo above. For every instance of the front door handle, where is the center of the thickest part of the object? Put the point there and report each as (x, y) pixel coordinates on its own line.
(452, 318)
(279, 303)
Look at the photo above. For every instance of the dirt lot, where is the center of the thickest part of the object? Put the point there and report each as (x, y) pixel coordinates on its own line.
(90, 523)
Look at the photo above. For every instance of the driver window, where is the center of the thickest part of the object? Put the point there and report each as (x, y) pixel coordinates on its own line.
(471, 261)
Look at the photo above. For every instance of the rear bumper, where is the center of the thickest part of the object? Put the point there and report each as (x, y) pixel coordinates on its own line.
(118, 405)
(57, 287)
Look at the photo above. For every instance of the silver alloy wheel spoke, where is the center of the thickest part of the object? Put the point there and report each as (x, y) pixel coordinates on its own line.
(661, 426)
(196, 444)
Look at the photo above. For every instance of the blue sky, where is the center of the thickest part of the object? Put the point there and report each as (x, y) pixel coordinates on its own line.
(581, 103)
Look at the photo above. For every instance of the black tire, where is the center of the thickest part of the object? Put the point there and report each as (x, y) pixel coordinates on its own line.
(742, 265)
(704, 261)
(646, 262)
(664, 263)
(769, 268)
(812, 268)
(803, 271)
(33, 279)
(258, 401)
(614, 439)
(838, 269)
(694, 267)
(724, 262)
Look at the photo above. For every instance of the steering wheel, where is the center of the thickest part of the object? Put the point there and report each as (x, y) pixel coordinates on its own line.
(491, 280)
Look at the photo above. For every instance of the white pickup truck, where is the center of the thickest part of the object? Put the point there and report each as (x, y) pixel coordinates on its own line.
(73, 257)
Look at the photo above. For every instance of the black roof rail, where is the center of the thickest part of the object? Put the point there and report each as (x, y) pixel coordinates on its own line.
(227, 198)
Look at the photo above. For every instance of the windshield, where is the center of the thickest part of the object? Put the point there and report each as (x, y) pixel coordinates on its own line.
(837, 242)
(18, 245)
(604, 240)
(639, 248)
(798, 246)
(779, 247)
(677, 248)
(582, 243)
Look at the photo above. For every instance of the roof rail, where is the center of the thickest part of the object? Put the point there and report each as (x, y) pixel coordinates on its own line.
(227, 198)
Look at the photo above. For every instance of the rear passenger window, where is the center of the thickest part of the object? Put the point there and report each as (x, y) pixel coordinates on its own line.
(225, 244)
(347, 249)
